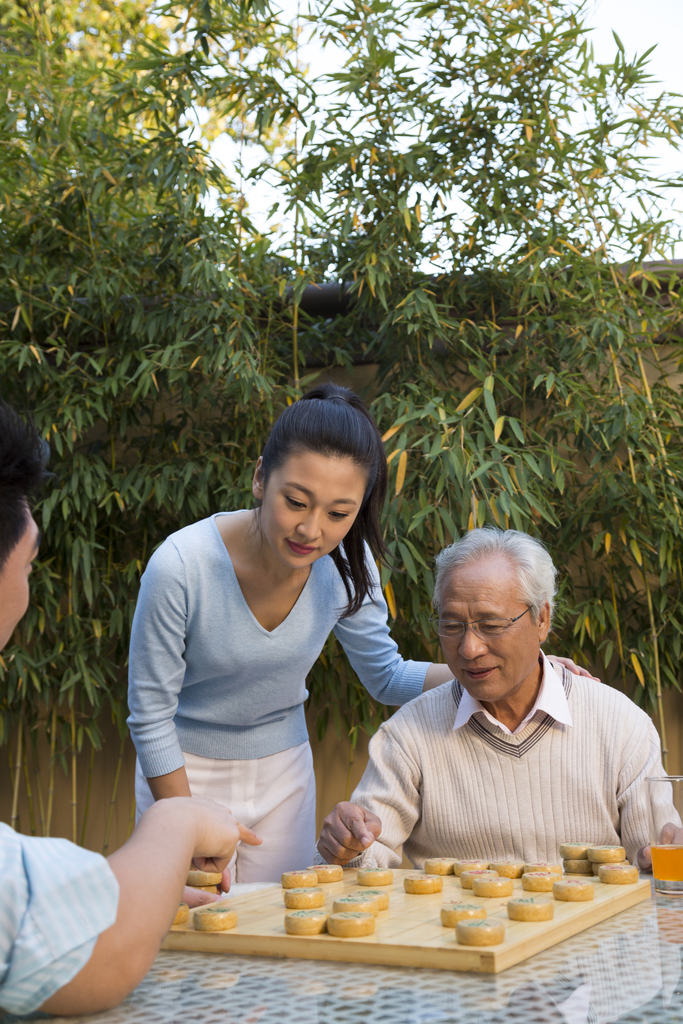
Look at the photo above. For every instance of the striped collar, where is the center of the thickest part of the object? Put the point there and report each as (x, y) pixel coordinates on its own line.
(551, 699)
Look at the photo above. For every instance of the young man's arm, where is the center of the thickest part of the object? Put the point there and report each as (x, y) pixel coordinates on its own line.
(151, 869)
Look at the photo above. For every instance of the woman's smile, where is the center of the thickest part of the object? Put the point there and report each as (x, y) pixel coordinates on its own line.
(300, 549)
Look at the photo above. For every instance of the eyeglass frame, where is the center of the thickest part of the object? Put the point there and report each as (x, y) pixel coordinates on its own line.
(473, 623)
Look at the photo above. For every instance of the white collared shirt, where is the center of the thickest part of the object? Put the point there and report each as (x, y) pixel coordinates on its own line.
(551, 699)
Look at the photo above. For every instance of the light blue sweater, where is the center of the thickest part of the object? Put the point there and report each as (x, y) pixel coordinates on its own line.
(205, 677)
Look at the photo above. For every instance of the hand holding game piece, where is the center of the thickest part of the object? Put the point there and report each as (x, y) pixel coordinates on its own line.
(347, 831)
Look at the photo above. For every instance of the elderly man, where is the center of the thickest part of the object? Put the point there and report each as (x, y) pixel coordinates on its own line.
(510, 758)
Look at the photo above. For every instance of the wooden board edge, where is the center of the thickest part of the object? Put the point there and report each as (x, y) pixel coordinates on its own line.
(505, 959)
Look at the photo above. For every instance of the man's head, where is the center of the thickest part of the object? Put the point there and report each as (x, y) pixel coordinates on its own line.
(21, 470)
(492, 577)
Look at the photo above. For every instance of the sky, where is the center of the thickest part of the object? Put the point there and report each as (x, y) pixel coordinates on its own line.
(640, 24)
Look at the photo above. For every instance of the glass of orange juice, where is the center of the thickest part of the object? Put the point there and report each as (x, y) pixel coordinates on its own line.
(665, 806)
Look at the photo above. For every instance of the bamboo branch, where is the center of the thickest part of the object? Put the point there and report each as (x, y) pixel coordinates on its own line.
(110, 813)
(87, 793)
(17, 772)
(39, 786)
(74, 780)
(51, 776)
(655, 648)
(29, 791)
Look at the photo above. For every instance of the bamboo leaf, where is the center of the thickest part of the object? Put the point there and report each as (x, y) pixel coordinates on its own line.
(635, 551)
(498, 429)
(401, 471)
(468, 400)
(391, 600)
(637, 669)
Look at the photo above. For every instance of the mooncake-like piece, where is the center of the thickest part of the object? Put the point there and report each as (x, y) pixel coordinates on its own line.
(480, 933)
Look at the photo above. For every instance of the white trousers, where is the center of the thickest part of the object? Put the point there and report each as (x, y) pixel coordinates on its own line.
(274, 796)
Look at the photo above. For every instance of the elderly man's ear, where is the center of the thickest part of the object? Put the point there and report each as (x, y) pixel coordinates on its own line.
(543, 623)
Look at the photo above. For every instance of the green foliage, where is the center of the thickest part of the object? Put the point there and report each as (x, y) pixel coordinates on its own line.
(480, 183)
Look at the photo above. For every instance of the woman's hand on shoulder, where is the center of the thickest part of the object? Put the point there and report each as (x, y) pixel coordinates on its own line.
(576, 670)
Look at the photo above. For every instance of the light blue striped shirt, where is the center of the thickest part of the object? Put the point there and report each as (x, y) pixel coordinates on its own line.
(55, 900)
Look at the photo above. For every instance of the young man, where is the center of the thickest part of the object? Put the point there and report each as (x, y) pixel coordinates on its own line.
(78, 932)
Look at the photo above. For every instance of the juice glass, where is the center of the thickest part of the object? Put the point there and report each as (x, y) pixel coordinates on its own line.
(665, 804)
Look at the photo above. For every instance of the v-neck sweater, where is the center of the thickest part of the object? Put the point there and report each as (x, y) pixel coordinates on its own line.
(207, 678)
(478, 792)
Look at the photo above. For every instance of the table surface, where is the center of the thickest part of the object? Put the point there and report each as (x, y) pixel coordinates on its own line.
(625, 969)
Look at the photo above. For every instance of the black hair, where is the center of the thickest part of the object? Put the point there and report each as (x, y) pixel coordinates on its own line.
(334, 421)
(22, 462)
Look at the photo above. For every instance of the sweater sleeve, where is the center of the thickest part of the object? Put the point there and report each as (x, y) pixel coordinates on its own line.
(374, 655)
(643, 759)
(156, 665)
(391, 789)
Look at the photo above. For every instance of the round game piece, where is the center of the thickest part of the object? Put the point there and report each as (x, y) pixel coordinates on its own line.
(577, 867)
(368, 905)
(508, 868)
(539, 865)
(350, 924)
(381, 897)
(467, 877)
(606, 854)
(439, 865)
(490, 887)
(618, 874)
(181, 914)
(573, 890)
(574, 851)
(375, 876)
(451, 913)
(596, 867)
(304, 899)
(469, 865)
(538, 881)
(479, 933)
(423, 883)
(306, 922)
(527, 908)
(207, 888)
(299, 879)
(198, 879)
(328, 872)
(214, 918)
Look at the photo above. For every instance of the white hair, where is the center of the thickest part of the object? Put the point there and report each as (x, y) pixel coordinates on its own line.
(536, 574)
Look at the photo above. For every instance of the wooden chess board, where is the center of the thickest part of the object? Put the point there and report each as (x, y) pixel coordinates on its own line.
(409, 933)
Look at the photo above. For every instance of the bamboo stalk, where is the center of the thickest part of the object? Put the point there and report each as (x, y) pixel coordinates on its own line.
(74, 780)
(295, 344)
(87, 793)
(39, 787)
(51, 775)
(29, 791)
(17, 772)
(616, 619)
(655, 647)
(131, 818)
(112, 801)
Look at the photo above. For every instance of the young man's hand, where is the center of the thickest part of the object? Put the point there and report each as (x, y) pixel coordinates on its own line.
(168, 837)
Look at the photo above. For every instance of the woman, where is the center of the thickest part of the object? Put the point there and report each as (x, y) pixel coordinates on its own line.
(233, 613)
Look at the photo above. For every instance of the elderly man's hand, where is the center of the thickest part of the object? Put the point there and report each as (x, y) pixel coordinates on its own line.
(670, 834)
(346, 832)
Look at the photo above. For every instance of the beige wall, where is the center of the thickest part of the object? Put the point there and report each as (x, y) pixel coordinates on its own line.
(331, 765)
(331, 759)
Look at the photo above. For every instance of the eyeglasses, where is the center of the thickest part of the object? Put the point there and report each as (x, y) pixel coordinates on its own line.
(486, 629)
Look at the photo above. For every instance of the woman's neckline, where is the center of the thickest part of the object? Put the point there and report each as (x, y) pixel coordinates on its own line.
(231, 568)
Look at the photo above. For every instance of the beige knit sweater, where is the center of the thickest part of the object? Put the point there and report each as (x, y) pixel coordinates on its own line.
(478, 792)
